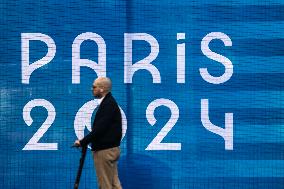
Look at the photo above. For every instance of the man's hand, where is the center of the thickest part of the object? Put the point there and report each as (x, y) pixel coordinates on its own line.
(77, 143)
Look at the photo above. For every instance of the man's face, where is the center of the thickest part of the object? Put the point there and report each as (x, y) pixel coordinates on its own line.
(97, 91)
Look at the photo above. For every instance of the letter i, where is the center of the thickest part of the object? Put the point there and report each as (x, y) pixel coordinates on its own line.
(181, 59)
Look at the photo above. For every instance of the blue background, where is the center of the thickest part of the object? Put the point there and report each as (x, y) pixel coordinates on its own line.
(254, 94)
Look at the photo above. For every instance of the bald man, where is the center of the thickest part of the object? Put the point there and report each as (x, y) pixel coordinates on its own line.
(105, 136)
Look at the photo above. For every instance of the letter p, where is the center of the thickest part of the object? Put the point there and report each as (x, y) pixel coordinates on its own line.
(27, 68)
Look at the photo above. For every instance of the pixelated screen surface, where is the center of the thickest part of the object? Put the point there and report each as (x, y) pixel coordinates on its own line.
(199, 84)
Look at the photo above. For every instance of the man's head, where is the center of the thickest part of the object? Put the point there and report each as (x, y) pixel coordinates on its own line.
(101, 86)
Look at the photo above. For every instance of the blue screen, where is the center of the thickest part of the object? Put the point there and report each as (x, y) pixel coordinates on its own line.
(199, 84)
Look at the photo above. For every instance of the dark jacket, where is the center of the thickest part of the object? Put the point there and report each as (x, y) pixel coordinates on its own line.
(107, 126)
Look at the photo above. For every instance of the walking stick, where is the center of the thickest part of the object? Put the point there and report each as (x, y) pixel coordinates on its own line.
(82, 159)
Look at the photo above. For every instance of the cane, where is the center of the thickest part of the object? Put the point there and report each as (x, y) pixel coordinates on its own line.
(82, 159)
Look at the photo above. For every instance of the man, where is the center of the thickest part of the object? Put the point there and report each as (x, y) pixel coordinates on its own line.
(105, 136)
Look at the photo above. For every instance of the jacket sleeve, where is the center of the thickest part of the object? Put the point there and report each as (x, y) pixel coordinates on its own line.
(103, 123)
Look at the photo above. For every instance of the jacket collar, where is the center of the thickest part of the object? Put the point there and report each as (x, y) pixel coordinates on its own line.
(105, 97)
